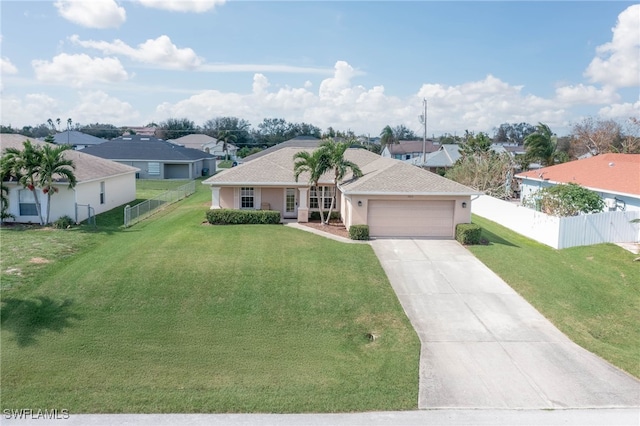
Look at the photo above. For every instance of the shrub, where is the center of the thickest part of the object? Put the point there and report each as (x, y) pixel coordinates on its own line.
(243, 217)
(316, 216)
(468, 233)
(359, 232)
(63, 222)
(565, 200)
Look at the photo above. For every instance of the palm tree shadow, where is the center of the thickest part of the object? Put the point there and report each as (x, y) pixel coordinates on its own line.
(489, 238)
(28, 318)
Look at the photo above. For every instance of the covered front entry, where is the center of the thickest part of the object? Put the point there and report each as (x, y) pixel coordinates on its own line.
(411, 218)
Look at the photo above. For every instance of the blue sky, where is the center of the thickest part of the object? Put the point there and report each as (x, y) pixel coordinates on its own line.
(357, 65)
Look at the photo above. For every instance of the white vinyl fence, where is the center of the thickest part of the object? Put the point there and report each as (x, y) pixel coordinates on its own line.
(560, 232)
(148, 207)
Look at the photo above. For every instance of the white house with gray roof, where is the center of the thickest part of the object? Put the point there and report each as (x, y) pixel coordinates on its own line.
(101, 186)
(394, 198)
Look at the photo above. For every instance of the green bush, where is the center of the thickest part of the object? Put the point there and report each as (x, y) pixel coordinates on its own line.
(243, 217)
(63, 222)
(316, 215)
(359, 232)
(468, 233)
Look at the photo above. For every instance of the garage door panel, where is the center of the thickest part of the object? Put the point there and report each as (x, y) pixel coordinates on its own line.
(410, 218)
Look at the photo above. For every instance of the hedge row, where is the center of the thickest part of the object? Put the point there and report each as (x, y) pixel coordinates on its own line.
(243, 217)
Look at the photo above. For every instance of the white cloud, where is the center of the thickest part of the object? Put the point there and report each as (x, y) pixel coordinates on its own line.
(589, 95)
(92, 14)
(197, 6)
(99, 107)
(618, 62)
(79, 70)
(34, 109)
(478, 106)
(620, 111)
(161, 52)
(6, 67)
(260, 68)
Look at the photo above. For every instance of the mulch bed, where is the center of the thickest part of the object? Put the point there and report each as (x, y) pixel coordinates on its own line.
(334, 227)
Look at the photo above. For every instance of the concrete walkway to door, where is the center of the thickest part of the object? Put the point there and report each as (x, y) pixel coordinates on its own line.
(483, 345)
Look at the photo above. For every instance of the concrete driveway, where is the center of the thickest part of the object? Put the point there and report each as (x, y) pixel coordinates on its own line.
(484, 346)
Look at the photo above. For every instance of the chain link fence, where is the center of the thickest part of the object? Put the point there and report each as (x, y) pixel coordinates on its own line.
(135, 214)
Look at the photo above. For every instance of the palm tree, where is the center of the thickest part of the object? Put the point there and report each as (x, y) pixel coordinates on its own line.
(387, 136)
(24, 165)
(316, 164)
(54, 167)
(226, 136)
(335, 157)
(542, 145)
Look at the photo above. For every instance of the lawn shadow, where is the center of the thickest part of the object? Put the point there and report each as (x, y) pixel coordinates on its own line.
(494, 239)
(27, 318)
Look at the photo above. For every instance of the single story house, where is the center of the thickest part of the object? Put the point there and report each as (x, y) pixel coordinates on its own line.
(308, 142)
(394, 198)
(101, 186)
(207, 144)
(406, 150)
(77, 140)
(156, 158)
(445, 157)
(616, 177)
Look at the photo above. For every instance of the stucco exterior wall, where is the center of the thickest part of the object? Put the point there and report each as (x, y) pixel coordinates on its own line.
(275, 198)
(226, 197)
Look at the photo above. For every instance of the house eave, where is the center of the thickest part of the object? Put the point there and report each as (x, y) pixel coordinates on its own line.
(445, 193)
(592, 188)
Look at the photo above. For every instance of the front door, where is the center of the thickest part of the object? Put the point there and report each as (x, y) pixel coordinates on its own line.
(290, 203)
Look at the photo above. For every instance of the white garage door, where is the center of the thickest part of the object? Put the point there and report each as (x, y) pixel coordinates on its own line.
(408, 218)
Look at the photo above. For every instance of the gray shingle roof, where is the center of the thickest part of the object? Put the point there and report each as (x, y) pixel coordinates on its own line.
(298, 142)
(74, 137)
(88, 167)
(381, 175)
(145, 148)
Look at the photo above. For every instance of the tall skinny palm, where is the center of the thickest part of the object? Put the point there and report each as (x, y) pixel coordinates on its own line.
(24, 164)
(335, 156)
(226, 137)
(542, 145)
(387, 136)
(315, 164)
(54, 167)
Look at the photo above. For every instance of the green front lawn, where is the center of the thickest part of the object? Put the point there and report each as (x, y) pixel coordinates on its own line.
(591, 293)
(173, 315)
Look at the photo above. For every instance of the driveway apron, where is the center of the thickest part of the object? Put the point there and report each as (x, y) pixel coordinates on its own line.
(483, 345)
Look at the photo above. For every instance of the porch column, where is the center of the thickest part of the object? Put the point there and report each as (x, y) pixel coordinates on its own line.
(303, 210)
(215, 197)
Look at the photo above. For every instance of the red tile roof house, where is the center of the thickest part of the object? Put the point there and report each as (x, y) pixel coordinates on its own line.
(615, 177)
(394, 198)
(101, 186)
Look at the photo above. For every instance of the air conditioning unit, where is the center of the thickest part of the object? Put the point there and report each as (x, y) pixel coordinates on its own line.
(611, 203)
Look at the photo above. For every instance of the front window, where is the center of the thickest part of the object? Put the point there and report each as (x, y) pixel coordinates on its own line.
(154, 169)
(315, 194)
(27, 203)
(102, 200)
(246, 198)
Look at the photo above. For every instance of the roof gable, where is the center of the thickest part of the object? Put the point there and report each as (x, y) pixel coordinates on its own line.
(380, 175)
(618, 173)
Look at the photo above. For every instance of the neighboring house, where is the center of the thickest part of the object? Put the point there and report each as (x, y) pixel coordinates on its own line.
(308, 142)
(156, 158)
(101, 186)
(444, 158)
(77, 140)
(207, 144)
(406, 150)
(394, 198)
(616, 177)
